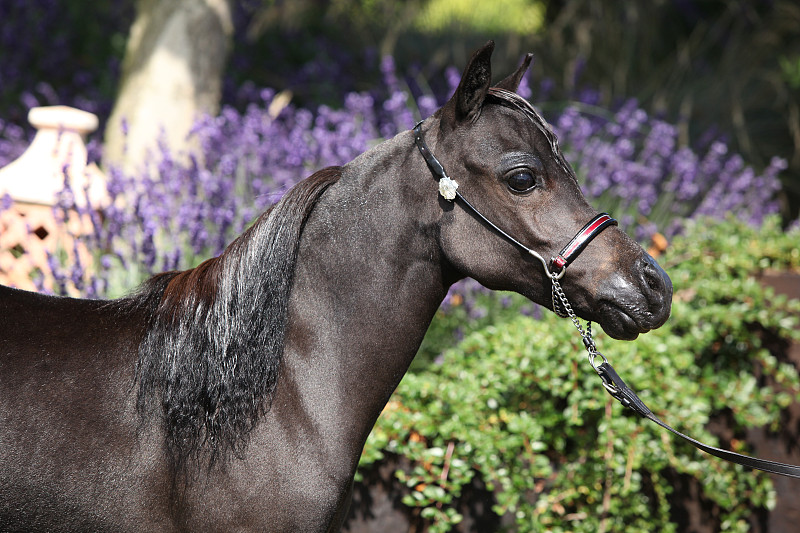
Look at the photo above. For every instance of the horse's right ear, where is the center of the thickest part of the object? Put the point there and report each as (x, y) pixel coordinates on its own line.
(511, 83)
(466, 103)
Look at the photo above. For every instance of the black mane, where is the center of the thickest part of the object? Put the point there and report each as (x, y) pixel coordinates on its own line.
(212, 349)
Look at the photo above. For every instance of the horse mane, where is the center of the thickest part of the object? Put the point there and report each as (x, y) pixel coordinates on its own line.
(212, 348)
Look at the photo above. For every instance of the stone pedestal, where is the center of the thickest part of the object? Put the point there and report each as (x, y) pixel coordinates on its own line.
(29, 231)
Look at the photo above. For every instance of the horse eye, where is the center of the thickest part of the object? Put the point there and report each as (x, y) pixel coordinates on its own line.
(521, 182)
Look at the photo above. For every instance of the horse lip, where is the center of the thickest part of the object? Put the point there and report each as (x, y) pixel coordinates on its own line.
(621, 323)
(625, 313)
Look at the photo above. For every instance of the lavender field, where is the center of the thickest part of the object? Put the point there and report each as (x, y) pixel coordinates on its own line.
(182, 208)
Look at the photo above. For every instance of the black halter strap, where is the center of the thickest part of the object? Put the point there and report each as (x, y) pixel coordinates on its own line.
(617, 388)
(555, 270)
(580, 241)
(556, 267)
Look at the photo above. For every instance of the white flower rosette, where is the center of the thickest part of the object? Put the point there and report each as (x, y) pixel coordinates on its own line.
(447, 188)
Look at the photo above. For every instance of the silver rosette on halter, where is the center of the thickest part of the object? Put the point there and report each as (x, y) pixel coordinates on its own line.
(447, 188)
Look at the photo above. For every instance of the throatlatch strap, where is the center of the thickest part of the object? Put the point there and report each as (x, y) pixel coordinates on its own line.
(617, 388)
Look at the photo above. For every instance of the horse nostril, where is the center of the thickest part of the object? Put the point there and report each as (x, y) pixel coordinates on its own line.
(655, 278)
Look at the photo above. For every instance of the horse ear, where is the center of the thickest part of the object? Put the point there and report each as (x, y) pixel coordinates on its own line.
(511, 83)
(468, 98)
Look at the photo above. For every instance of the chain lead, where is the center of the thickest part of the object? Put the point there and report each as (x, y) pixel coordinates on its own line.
(562, 308)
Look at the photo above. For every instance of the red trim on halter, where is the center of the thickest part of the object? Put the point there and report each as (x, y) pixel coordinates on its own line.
(579, 242)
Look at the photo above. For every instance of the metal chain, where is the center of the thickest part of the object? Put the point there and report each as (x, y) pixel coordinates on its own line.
(562, 308)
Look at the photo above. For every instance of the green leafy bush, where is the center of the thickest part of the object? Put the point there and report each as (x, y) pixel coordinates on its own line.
(516, 403)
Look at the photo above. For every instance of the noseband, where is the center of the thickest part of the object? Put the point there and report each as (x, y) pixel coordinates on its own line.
(555, 270)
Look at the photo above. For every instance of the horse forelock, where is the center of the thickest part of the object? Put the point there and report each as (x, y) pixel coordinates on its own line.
(211, 354)
(513, 100)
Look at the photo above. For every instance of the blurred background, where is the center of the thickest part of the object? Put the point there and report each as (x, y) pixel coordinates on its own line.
(729, 69)
(681, 118)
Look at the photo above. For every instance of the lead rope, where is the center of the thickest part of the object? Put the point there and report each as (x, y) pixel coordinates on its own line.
(619, 390)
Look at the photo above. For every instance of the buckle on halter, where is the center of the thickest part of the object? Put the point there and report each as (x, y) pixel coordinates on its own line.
(557, 264)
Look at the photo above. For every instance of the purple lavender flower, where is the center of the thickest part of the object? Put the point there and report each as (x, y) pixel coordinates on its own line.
(633, 166)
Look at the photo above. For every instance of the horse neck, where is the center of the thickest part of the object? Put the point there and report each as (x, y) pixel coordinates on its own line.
(368, 282)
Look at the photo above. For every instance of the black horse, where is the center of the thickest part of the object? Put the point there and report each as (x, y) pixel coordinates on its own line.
(238, 395)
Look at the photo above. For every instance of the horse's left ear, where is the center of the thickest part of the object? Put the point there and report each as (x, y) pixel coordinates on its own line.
(511, 83)
(466, 103)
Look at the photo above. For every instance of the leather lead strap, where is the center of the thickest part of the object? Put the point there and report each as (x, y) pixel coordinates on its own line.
(619, 389)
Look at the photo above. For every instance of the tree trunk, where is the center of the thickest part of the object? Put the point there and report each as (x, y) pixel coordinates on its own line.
(172, 72)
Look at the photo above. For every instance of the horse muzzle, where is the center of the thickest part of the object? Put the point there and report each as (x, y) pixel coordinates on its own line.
(630, 305)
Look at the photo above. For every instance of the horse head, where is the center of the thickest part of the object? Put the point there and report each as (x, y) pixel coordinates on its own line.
(515, 185)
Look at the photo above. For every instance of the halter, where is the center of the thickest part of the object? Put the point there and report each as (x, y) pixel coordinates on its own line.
(557, 266)
(555, 270)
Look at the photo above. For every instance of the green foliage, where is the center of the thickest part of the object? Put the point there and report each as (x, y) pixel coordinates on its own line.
(516, 403)
(791, 71)
(501, 16)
